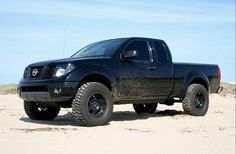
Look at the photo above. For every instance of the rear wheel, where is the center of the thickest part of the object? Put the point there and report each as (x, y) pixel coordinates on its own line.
(141, 108)
(196, 101)
(39, 112)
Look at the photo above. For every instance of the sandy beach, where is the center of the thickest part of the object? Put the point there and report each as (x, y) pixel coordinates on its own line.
(169, 130)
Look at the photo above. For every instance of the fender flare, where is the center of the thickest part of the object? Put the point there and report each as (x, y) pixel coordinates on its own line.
(83, 71)
(188, 79)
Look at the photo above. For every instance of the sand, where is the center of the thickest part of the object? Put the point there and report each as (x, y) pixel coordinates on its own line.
(169, 130)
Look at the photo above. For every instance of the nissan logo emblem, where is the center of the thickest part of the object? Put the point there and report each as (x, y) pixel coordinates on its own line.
(34, 72)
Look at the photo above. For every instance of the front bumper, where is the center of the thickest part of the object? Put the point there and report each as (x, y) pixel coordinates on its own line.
(47, 91)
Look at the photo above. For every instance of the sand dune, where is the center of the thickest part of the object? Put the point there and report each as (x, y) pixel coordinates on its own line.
(8, 89)
(169, 130)
(228, 89)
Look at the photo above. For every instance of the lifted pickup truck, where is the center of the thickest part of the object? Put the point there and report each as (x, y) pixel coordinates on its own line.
(139, 71)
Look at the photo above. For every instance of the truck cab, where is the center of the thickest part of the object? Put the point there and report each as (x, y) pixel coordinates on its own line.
(145, 70)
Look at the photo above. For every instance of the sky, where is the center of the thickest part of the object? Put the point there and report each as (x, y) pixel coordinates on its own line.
(201, 31)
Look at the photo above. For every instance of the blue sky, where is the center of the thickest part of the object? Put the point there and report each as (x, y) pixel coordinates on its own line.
(200, 31)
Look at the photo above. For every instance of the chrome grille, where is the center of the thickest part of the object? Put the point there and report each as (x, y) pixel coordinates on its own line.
(39, 72)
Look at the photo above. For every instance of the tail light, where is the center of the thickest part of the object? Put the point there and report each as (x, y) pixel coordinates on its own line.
(219, 74)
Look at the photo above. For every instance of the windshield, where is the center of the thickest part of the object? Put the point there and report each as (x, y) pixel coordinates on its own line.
(100, 49)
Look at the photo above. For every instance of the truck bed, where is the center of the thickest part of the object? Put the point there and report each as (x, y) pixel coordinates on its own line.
(185, 71)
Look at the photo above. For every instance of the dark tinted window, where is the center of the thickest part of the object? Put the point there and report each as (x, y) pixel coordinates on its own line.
(142, 50)
(160, 51)
(99, 49)
(167, 52)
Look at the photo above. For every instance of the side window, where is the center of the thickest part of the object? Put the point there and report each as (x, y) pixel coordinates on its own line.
(142, 50)
(160, 51)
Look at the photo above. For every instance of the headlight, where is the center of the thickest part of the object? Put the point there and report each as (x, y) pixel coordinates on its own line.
(62, 70)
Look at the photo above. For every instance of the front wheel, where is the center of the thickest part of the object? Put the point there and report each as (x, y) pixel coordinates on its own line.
(141, 108)
(39, 112)
(92, 105)
(196, 101)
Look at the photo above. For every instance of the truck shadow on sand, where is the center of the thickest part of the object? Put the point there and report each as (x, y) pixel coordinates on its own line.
(131, 116)
(68, 119)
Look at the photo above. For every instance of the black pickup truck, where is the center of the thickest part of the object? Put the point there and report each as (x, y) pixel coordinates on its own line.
(135, 70)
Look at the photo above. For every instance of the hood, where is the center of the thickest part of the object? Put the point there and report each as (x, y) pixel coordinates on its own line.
(65, 60)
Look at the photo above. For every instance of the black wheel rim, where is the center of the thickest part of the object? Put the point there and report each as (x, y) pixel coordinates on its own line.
(97, 105)
(199, 101)
(42, 109)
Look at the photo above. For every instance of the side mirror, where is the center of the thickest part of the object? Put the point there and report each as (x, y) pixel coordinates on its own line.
(130, 54)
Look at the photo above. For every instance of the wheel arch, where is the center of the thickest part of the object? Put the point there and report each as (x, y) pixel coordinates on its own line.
(93, 73)
(96, 77)
(199, 80)
(195, 77)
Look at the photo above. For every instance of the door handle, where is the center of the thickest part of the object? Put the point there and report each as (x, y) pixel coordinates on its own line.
(151, 67)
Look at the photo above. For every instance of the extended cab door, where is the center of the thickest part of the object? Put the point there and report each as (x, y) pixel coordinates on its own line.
(137, 75)
(164, 82)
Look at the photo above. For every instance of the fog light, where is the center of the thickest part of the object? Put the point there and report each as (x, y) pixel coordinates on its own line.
(57, 90)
